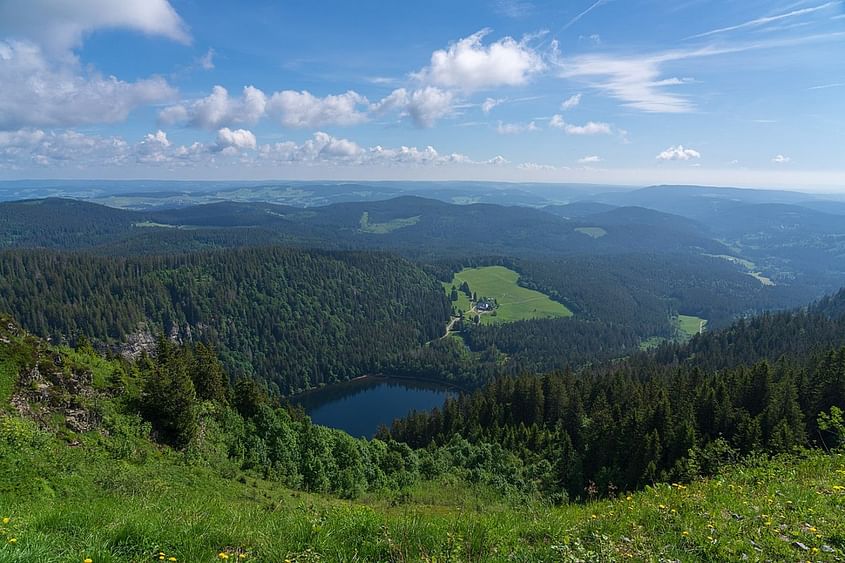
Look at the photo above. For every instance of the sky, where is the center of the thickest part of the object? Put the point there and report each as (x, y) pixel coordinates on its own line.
(636, 92)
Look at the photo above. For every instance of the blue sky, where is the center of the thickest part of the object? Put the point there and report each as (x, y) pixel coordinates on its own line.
(611, 91)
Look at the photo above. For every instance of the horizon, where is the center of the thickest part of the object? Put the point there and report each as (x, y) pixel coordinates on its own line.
(603, 92)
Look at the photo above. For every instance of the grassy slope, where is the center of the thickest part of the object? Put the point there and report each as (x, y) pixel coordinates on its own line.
(66, 504)
(515, 302)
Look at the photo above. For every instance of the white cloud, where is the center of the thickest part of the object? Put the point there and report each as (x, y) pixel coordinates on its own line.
(427, 105)
(635, 81)
(207, 60)
(638, 81)
(781, 159)
(592, 159)
(27, 147)
(469, 65)
(218, 109)
(237, 139)
(326, 149)
(589, 128)
(36, 92)
(514, 128)
(488, 104)
(678, 153)
(303, 109)
(61, 26)
(571, 102)
(533, 166)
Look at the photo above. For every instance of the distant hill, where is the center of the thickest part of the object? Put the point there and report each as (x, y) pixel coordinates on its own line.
(410, 224)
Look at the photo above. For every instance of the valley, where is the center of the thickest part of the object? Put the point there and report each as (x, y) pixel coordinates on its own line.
(355, 361)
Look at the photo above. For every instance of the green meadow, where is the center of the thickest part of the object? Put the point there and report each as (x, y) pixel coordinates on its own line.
(690, 325)
(515, 303)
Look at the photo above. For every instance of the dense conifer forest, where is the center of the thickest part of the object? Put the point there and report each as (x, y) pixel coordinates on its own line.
(293, 318)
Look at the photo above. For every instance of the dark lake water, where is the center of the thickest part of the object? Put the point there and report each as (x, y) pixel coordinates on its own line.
(360, 406)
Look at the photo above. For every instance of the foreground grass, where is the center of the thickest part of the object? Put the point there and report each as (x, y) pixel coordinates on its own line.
(66, 504)
(515, 303)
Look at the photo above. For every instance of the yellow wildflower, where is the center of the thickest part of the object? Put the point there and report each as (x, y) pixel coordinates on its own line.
(171, 558)
(223, 555)
(88, 560)
(685, 533)
(6, 519)
(13, 541)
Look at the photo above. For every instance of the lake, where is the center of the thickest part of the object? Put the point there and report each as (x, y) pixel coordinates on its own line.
(361, 405)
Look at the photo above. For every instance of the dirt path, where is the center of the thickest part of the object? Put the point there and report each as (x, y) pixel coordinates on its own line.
(450, 325)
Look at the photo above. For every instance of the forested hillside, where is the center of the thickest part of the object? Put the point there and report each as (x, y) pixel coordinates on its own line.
(659, 417)
(294, 318)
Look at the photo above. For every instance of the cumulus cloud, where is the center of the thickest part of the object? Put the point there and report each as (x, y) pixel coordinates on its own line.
(780, 159)
(28, 146)
(61, 26)
(326, 149)
(427, 105)
(235, 140)
(303, 109)
(678, 153)
(513, 128)
(37, 92)
(592, 159)
(218, 109)
(571, 102)
(589, 128)
(470, 65)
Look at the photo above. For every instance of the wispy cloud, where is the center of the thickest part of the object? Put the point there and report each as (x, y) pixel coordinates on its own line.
(767, 19)
(592, 7)
(825, 86)
(638, 81)
(515, 9)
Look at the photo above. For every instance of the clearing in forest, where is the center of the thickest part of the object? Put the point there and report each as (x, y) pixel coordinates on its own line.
(498, 285)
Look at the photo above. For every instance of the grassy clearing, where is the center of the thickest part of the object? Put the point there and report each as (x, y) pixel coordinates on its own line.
(515, 303)
(66, 504)
(383, 228)
(593, 232)
(690, 325)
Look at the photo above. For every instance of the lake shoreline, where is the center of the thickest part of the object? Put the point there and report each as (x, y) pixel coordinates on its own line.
(380, 377)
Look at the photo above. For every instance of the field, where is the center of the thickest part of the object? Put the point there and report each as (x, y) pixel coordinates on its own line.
(690, 326)
(515, 303)
(594, 232)
(384, 228)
